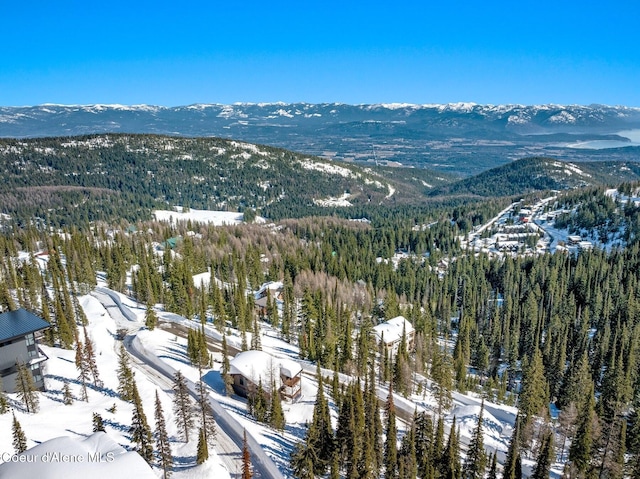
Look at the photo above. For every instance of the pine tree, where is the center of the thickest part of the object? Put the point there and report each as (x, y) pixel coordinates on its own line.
(493, 469)
(512, 466)
(83, 375)
(534, 396)
(247, 471)
(4, 402)
(67, 397)
(150, 318)
(19, 438)
(125, 376)
(140, 430)
(424, 444)
(89, 358)
(407, 460)
(276, 414)
(207, 421)
(450, 467)
(258, 403)
(163, 447)
(581, 449)
(98, 422)
(320, 432)
(303, 461)
(203, 448)
(26, 388)
(390, 445)
(182, 405)
(226, 367)
(476, 461)
(545, 457)
(442, 375)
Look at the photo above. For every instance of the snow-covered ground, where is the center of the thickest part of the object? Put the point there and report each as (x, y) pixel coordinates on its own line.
(56, 419)
(202, 216)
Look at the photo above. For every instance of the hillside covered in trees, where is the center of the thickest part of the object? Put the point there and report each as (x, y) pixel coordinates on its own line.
(548, 332)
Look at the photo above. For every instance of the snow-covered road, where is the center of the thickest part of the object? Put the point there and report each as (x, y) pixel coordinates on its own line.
(229, 439)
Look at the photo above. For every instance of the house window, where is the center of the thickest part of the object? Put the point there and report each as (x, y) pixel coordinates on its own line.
(30, 340)
(241, 381)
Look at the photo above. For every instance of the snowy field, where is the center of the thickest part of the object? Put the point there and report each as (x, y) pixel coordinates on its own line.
(217, 218)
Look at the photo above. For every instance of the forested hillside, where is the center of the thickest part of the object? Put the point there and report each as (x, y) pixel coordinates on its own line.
(544, 332)
(537, 174)
(82, 179)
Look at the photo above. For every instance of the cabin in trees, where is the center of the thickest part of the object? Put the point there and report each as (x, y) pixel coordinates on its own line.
(18, 345)
(390, 333)
(272, 290)
(250, 368)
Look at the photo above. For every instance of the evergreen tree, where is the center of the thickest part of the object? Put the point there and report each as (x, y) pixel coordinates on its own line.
(407, 460)
(545, 458)
(581, 449)
(89, 358)
(67, 397)
(4, 402)
(226, 377)
(425, 453)
(493, 469)
(258, 403)
(83, 374)
(140, 430)
(534, 395)
(442, 375)
(276, 414)
(98, 422)
(390, 445)
(26, 388)
(19, 438)
(207, 421)
(303, 461)
(476, 461)
(150, 317)
(512, 466)
(450, 467)
(163, 447)
(182, 405)
(125, 376)
(203, 449)
(320, 432)
(247, 470)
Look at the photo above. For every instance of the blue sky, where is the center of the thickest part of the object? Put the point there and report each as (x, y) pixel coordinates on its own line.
(178, 53)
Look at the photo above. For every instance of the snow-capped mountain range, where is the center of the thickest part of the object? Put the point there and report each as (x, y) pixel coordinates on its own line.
(439, 136)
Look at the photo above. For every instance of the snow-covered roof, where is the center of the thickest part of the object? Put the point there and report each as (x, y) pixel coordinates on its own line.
(97, 457)
(256, 365)
(392, 329)
(271, 285)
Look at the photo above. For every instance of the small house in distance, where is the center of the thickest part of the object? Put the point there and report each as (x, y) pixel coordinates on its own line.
(391, 332)
(18, 344)
(249, 368)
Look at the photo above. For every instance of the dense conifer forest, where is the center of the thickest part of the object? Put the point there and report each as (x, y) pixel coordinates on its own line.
(553, 329)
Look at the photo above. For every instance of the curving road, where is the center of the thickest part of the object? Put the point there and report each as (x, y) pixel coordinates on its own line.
(229, 440)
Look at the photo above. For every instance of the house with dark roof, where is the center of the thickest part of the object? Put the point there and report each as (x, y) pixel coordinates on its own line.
(18, 345)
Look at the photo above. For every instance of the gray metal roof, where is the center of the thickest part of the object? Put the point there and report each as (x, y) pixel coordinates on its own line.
(14, 324)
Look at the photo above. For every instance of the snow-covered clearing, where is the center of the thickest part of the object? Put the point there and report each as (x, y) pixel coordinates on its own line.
(217, 218)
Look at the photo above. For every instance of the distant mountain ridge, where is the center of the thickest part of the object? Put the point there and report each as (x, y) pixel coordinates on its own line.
(461, 138)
